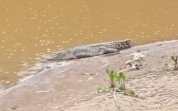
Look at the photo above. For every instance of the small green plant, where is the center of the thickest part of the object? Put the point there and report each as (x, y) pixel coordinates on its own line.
(121, 77)
(175, 59)
(116, 80)
(112, 77)
(132, 92)
(102, 89)
(116, 84)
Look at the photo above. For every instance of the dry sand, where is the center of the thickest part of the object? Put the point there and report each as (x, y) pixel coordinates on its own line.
(71, 85)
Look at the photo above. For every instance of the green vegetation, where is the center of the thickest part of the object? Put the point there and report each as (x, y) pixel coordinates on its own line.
(112, 78)
(175, 59)
(116, 84)
(121, 77)
(132, 92)
(174, 66)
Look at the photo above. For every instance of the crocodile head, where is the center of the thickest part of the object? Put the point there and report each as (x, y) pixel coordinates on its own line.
(123, 45)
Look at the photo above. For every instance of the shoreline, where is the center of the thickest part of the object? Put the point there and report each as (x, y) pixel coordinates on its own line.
(71, 85)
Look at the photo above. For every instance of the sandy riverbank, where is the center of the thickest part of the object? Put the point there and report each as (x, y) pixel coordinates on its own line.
(71, 85)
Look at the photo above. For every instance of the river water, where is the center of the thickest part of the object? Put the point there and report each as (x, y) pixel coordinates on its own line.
(31, 28)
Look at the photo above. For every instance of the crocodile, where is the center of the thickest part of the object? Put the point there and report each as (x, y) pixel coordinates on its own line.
(92, 50)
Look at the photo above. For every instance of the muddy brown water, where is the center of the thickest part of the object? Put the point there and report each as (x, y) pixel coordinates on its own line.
(31, 28)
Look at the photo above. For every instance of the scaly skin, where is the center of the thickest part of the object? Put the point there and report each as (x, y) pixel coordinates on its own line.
(92, 50)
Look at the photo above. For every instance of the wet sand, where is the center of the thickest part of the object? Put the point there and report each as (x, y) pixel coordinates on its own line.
(71, 85)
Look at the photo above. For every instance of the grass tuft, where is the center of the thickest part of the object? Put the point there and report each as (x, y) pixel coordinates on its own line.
(175, 59)
(116, 84)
